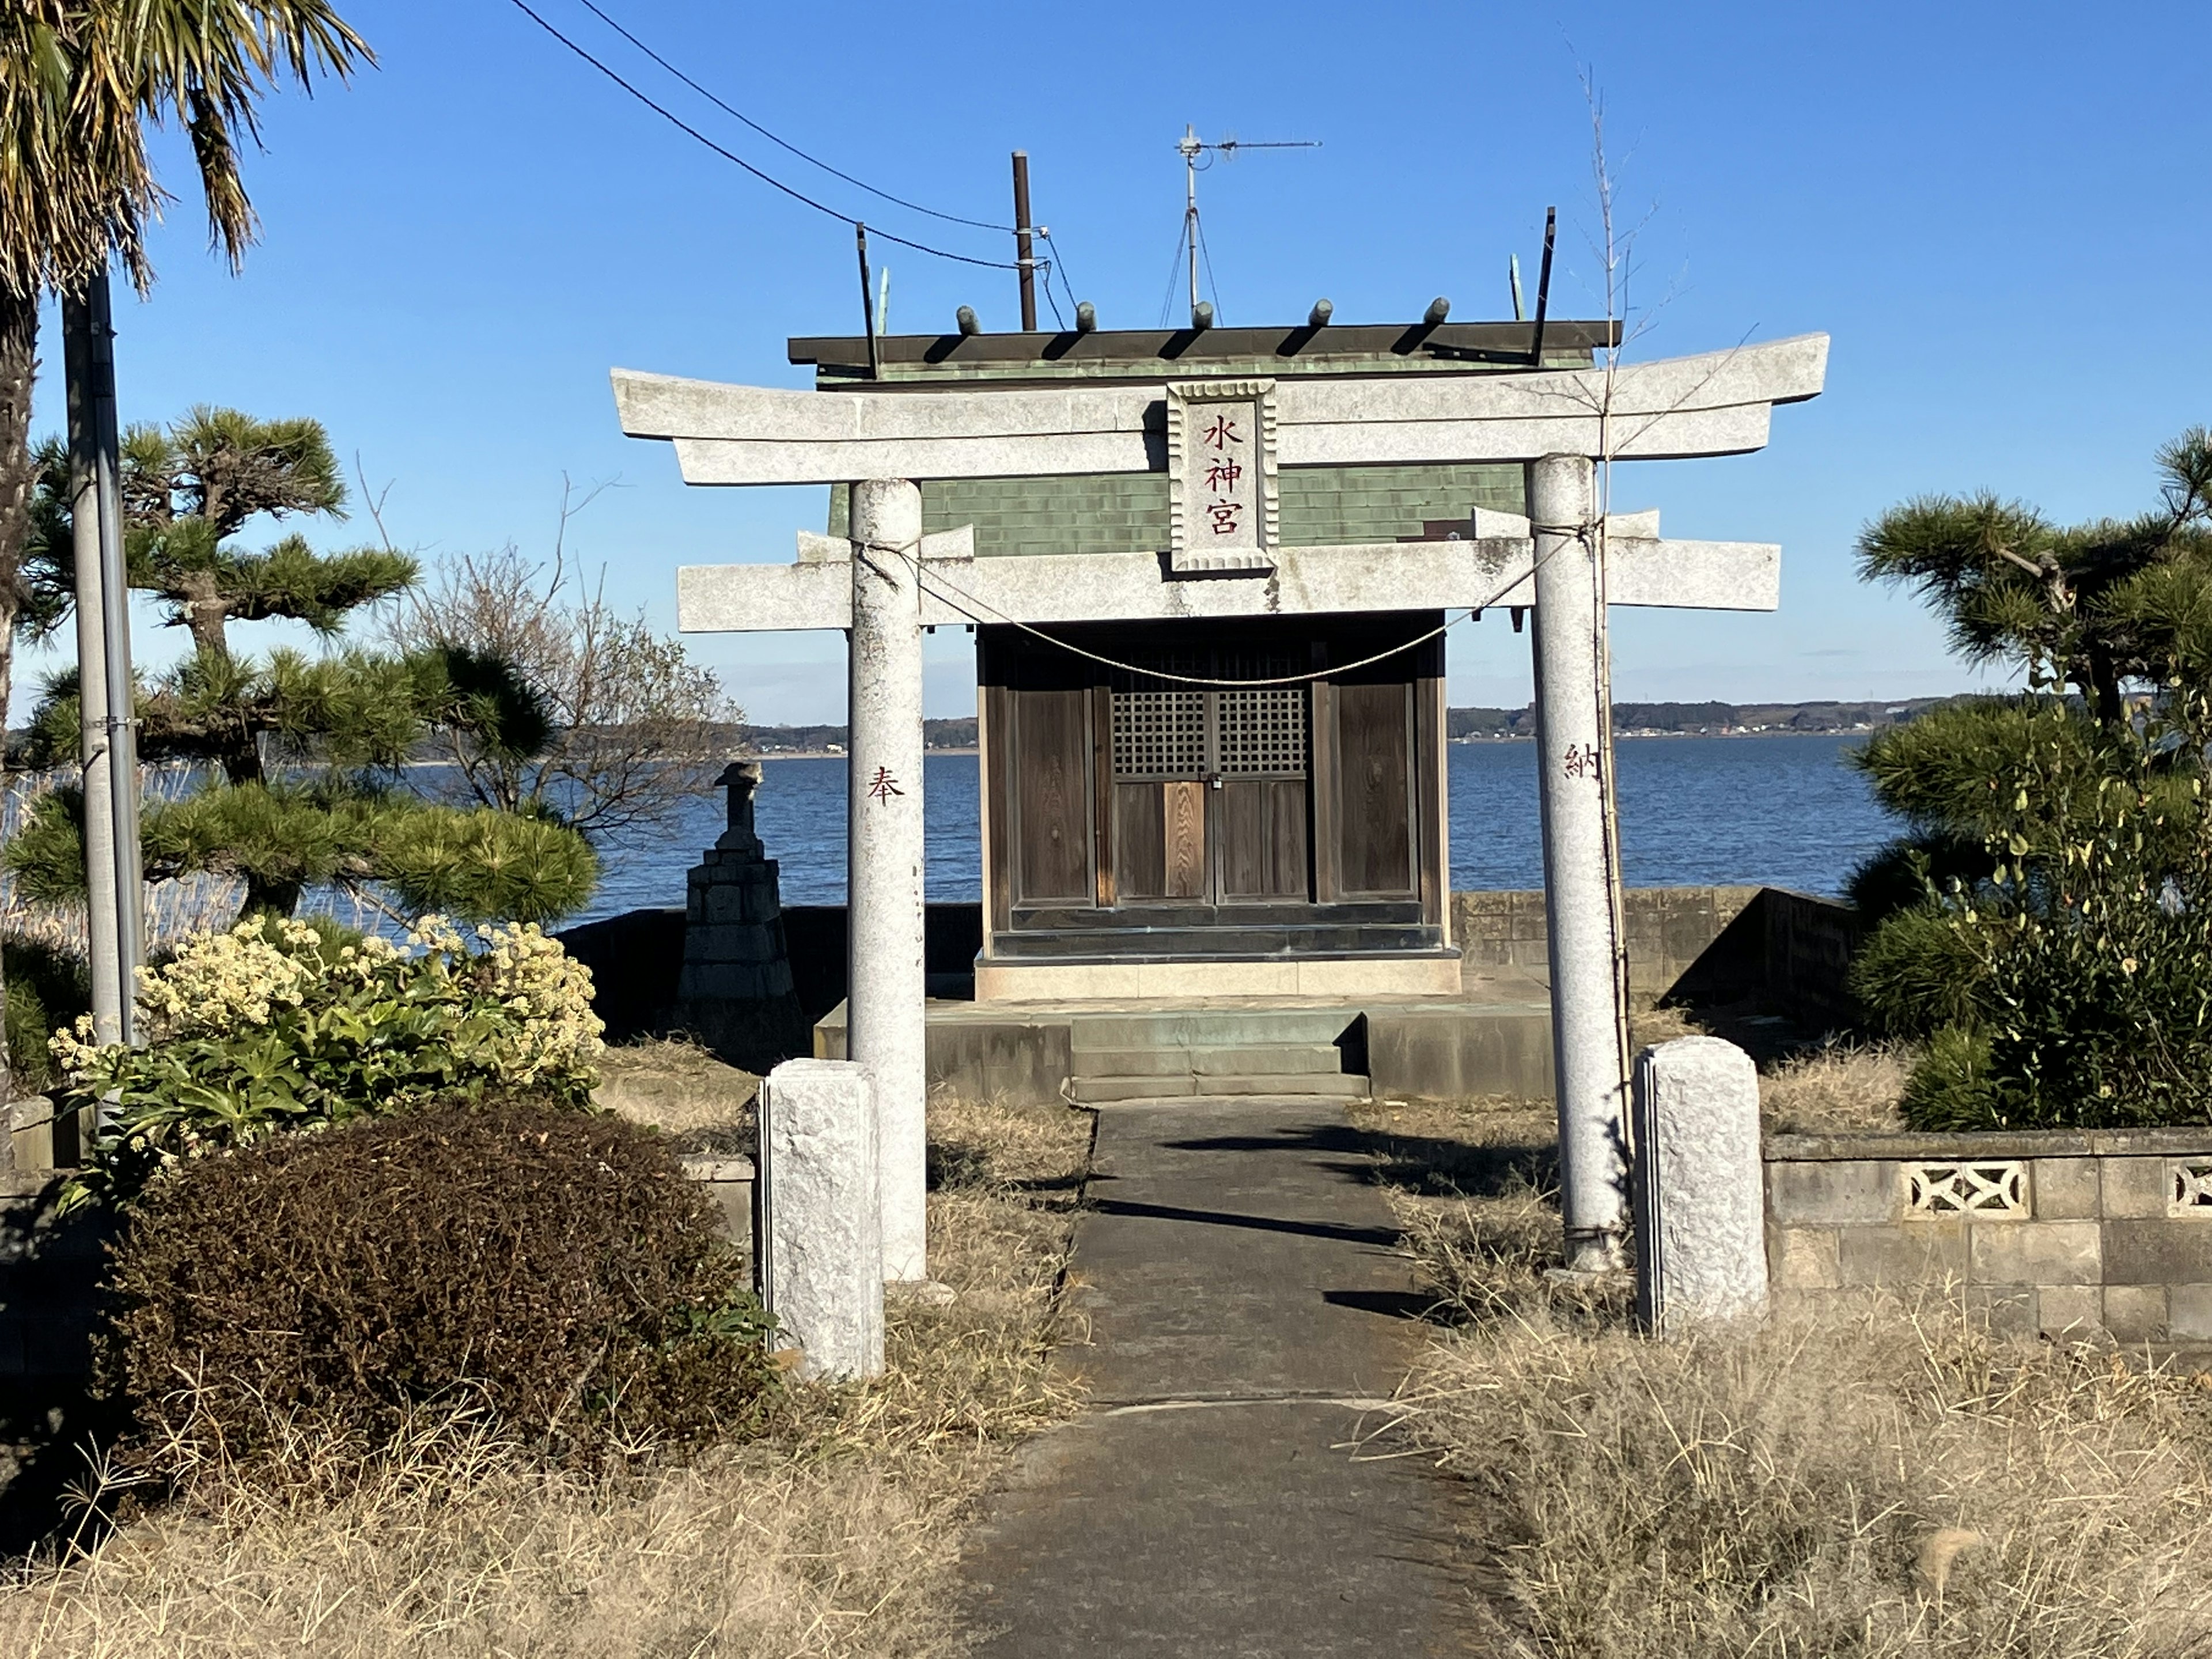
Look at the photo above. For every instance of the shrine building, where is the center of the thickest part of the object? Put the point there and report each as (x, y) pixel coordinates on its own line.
(1249, 804)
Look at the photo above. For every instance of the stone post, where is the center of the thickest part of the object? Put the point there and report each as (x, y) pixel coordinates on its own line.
(884, 853)
(1573, 761)
(820, 1246)
(1699, 1187)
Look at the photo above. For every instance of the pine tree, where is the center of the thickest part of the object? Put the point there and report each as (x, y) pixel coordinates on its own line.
(299, 750)
(80, 83)
(2047, 923)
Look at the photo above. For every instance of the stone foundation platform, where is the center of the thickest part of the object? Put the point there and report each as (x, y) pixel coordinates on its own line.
(1495, 1037)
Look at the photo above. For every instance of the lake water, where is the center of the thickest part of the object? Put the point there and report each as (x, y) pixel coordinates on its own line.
(1782, 812)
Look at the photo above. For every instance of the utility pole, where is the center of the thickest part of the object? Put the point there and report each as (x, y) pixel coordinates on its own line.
(101, 913)
(1024, 249)
(108, 742)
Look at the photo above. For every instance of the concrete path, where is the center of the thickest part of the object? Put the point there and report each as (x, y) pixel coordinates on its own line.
(1248, 1315)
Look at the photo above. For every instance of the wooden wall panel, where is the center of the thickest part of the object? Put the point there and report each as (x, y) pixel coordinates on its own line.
(1240, 825)
(1262, 833)
(1328, 840)
(1140, 842)
(1289, 869)
(1375, 737)
(1183, 826)
(1052, 828)
(993, 736)
(1102, 797)
(1432, 842)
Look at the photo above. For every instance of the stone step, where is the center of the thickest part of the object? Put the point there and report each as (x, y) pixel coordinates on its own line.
(1334, 1086)
(1227, 1028)
(1184, 943)
(1253, 1059)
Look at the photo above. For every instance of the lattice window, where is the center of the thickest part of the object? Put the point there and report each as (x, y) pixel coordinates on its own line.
(1992, 1191)
(1159, 734)
(1263, 731)
(2188, 1187)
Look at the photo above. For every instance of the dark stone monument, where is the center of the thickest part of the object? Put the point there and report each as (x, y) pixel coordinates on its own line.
(735, 992)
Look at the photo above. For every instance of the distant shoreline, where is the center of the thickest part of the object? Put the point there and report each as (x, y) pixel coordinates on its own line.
(1502, 737)
(1740, 732)
(835, 754)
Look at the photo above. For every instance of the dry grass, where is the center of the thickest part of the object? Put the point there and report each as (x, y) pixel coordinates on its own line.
(1839, 1088)
(1890, 1482)
(1887, 1480)
(837, 1535)
(677, 1085)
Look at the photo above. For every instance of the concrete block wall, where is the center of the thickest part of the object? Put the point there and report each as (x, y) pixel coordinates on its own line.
(729, 1181)
(1704, 944)
(2052, 1231)
(1671, 931)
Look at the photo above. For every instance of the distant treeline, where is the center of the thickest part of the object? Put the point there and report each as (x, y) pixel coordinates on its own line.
(1630, 719)
(817, 739)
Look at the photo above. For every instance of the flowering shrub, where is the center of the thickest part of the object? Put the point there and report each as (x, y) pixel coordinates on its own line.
(271, 1026)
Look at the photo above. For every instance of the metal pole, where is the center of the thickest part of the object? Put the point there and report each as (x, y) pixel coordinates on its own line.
(122, 745)
(868, 302)
(1190, 148)
(1544, 287)
(78, 331)
(1025, 251)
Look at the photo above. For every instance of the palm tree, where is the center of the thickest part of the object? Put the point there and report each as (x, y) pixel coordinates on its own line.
(80, 80)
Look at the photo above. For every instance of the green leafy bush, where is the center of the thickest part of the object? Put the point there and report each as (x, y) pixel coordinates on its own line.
(277, 1025)
(48, 987)
(550, 1266)
(2070, 987)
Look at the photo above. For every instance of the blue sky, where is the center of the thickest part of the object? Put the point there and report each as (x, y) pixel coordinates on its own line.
(1997, 212)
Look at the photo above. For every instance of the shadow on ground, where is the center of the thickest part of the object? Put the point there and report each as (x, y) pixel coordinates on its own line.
(1435, 1165)
(50, 1269)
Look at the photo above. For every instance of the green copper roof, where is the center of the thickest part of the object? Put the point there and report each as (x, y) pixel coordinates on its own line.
(1128, 512)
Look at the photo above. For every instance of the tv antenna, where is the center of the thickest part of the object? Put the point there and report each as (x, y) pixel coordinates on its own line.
(1192, 148)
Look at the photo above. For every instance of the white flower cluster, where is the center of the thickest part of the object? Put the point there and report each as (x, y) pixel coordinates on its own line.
(220, 982)
(549, 993)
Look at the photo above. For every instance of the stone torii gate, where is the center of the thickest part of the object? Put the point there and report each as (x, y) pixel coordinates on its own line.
(889, 581)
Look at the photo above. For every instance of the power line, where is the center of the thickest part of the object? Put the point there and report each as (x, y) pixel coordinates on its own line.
(1057, 264)
(682, 125)
(785, 144)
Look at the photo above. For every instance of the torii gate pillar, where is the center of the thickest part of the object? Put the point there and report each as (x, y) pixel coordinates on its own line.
(885, 1011)
(1589, 1046)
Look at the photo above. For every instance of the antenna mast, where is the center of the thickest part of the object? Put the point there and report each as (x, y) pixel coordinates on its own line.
(1190, 148)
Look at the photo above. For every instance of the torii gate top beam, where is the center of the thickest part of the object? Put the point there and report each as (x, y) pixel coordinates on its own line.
(1716, 403)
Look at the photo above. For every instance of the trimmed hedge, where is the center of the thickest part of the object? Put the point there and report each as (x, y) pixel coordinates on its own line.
(550, 1264)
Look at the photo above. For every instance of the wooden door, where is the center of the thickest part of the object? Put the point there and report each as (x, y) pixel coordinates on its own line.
(1210, 795)
(1260, 767)
(1373, 757)
(1053, 861)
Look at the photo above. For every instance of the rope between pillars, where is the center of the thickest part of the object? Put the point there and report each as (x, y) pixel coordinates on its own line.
(953, 595)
